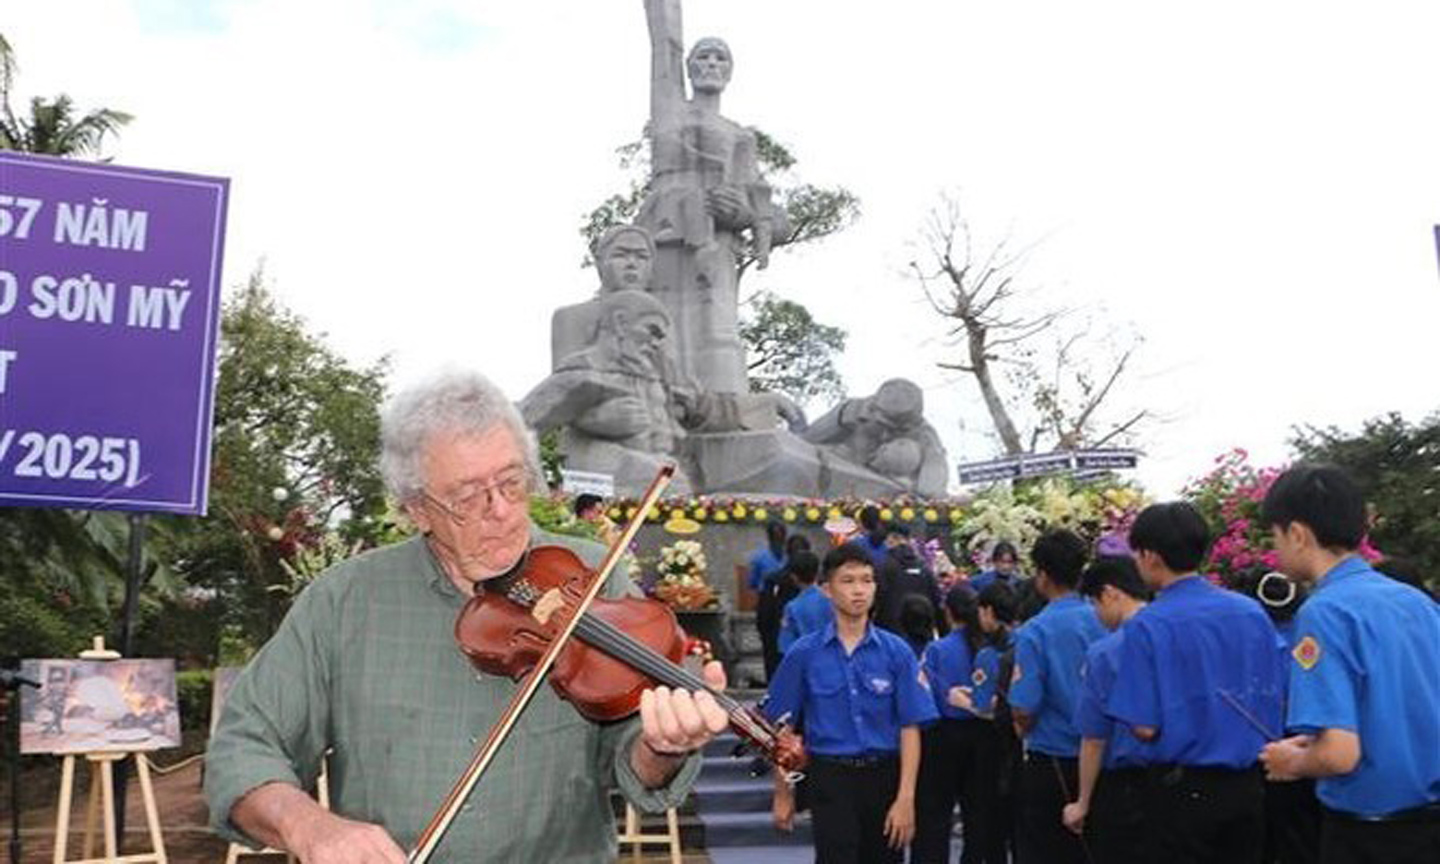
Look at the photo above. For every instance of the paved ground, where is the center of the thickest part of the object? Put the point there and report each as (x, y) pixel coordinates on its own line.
(182, 817)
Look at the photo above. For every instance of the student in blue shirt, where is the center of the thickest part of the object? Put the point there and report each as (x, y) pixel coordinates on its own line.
(1049, 652)
(856, 693)
(1004, 567)
(810, 610)
(1364, 685)
(1107, 810)
(875, 539)
(992, 832)
(767, 565)
(951, 748)
(1196, 676)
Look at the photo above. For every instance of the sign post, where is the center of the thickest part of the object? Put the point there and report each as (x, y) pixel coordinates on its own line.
(1078, 463)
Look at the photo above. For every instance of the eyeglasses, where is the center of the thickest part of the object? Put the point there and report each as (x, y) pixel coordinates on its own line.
(475, 500)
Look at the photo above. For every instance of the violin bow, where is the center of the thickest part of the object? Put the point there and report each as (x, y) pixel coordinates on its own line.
(430, 838)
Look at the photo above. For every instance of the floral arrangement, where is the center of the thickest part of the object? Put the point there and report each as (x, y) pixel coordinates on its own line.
(680, 580)
(1229, 497)
(722, 510)
(1020, 513)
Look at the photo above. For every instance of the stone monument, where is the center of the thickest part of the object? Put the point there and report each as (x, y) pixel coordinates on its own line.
(652, 368)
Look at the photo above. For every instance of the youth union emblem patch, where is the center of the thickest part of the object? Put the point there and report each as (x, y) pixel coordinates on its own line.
(1307, 653)
(978, 677)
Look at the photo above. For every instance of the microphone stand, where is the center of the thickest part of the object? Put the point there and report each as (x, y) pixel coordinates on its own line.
(10, 684)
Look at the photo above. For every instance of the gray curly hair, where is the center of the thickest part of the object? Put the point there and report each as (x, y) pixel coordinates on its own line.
(451, 401)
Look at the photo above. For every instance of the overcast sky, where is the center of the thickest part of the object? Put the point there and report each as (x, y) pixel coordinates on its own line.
(1249, 186)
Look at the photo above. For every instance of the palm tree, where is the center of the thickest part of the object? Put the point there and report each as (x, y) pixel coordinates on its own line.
(52, 127)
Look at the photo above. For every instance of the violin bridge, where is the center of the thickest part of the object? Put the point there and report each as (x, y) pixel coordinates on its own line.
(549, 603)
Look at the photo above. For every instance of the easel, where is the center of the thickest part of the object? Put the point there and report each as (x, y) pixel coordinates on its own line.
(102, 796)
(637, 839)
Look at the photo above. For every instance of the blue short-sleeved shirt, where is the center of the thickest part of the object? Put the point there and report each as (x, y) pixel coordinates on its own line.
(1049, 651)
(855, 704)
(807, 612)
(948, 663)
(879, 552)
(989, 577)
(1179, 653)
(1368, 661)
(763, 565)
(1122, 748)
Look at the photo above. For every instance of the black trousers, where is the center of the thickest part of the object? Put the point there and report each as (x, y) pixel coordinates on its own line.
(1115, 829)
(950, 759)
(848, 803)
(1205, 815)
(1349, 841)
(1292, 823)
(1047, 784)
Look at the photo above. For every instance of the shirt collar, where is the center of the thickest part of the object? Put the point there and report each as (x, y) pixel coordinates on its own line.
(831, 633)
(1071, 599)
(1350, 565)
(1182, 585)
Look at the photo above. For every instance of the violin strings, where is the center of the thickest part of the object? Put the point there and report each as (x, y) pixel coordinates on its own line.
(610, 639)
(613, 641)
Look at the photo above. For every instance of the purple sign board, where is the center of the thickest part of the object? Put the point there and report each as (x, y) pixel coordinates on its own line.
(109, 318)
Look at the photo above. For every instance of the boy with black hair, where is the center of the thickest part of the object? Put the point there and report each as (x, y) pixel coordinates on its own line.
(1107, 810)
(1049, 651)
(875, 537)
(1197, 681)
(902, 574)
(1364, 690)
(856, 692)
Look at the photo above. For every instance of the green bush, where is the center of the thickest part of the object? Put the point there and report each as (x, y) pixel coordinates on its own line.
(31, 626)
(193, 688)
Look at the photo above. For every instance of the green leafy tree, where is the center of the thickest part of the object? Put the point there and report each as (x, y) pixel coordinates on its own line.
(788, 351)
(53, 126)
(1397, 465)
(294, 474)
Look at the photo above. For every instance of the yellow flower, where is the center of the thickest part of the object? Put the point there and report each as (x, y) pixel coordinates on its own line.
(677, 513)
(721, 516)
(813, 514)
(955, 515)
(760, 514)
(834, 513)
(931, 514)
(613, 512)
(629, 513)
(654, 514)
(788, 514)
(699, 514)
(886, 514)
(907, 514)
(739, 511)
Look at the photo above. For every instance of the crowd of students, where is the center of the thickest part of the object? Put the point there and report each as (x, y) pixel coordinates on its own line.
(1116, 708)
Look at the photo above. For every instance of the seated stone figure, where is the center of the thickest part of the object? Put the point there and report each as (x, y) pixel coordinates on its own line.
(617, 399)
(888, 434)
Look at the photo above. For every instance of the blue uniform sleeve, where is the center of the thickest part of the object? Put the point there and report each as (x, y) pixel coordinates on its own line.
(934, 675)
(1322, 673)
(785, 698)
(757, 572)
(1090, 717)
(788, 631)
(1027, 689)
(915, 706)
(1135, 699)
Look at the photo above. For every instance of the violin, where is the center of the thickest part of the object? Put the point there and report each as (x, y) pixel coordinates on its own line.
(620, 648)
(625, 646)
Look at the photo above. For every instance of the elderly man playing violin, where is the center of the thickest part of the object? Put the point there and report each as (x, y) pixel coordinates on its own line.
(365, 675)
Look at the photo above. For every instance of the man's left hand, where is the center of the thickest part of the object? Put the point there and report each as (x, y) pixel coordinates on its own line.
(675, 722)
(1282, 759)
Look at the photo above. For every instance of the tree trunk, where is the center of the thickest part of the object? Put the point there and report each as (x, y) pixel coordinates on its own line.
(980, 367)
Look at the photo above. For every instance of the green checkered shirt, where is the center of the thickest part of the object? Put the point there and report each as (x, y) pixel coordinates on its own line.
(366, 665)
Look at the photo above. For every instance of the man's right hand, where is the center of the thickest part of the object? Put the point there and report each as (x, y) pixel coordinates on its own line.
(783, 812)
(331, 839)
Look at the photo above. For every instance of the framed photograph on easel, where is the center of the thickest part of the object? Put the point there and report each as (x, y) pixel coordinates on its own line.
(96, 706)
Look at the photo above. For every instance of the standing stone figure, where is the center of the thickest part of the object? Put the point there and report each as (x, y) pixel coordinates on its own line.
(706, 196)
